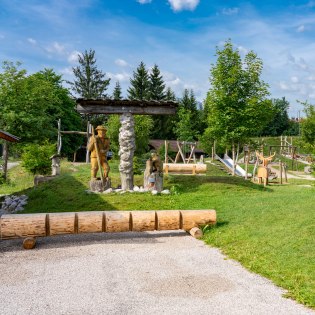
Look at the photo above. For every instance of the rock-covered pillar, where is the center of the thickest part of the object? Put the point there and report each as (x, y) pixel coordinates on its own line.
(127, 145)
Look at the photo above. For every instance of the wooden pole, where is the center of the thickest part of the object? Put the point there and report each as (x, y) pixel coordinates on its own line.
(246, 164)
(280, 168)
(5, 159)
(285, 173)
(166, 151)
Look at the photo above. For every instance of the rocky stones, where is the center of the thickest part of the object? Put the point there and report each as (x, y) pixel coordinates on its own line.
(13, 204)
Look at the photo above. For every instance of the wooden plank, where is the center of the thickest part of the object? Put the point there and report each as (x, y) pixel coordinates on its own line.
(135, 110)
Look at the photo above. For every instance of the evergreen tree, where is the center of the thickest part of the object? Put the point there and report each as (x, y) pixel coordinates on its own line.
(139, 89)
(157, 86)
(140, 84)
(117, 92)
(170, 95)
(186, 128)
(90, 82)
(280, 122)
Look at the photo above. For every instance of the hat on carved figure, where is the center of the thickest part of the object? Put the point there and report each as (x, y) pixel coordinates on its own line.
(100, 128)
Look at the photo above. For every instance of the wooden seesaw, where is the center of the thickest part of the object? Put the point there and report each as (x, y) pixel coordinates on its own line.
(29, 226)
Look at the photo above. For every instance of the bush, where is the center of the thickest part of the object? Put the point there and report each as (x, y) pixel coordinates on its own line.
(36, 158)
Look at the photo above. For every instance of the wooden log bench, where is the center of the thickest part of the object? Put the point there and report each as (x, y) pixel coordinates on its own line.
(181, 168)
(30, 226)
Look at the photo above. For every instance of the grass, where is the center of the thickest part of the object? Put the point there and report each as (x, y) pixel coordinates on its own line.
(271, 231)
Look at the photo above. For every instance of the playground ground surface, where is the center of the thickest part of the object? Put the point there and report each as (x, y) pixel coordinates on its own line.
(132, 273)
(268, 230)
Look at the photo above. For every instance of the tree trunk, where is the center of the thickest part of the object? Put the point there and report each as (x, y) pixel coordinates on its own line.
(127, 146)
(233, 158)
(5, 159)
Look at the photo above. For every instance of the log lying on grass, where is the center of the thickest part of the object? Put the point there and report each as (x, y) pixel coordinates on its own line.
(45, 224)
(180, 168)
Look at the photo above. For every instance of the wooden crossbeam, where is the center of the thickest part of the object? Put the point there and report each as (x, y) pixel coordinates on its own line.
(136, 107)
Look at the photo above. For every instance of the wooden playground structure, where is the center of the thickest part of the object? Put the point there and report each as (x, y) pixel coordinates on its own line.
(184, 162)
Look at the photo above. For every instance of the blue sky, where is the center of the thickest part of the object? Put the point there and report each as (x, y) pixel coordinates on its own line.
(180, 36)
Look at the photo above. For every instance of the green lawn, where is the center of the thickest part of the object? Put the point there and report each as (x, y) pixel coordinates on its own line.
(271, 231)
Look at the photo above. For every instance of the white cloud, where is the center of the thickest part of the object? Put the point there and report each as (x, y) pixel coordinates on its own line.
(144, 1)
(121, 63)
(230, 11)
(295, 79)
(242, 50)
(179, 5)
(67, 71)
(2, 36)
(301, 29)
(56, 48)
(121, 77)
(73, 57)
(32, 41)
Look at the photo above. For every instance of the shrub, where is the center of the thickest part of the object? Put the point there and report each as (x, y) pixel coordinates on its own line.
(36, 158)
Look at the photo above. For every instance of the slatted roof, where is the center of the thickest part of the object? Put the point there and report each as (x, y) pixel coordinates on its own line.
(8, 137)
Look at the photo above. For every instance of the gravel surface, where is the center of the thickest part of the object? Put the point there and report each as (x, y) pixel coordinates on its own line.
(131, 273)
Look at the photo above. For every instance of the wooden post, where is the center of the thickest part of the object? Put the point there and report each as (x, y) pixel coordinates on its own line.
(5, 159)
(88, 132)
(212, 153)
(59, 139)
(285, 172)
(166, 151)
(280, 168)
(246, 165)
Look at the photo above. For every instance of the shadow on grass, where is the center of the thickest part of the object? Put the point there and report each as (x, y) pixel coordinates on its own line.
(65, 193)
(191, 183)
(78, 240)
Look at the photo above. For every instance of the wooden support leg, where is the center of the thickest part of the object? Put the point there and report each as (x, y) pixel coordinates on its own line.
(29, 243)
(196, 232)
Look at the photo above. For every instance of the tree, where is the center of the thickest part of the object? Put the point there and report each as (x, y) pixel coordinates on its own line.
(90, 82)
(31, 105)
(186, 126)
(140, 85)
(117, 92)
(156, 85)
(308, 125)
(139, 89)
(280, 122)
(236, 105)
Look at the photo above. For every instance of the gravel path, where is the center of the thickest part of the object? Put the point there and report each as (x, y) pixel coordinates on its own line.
(131, 273)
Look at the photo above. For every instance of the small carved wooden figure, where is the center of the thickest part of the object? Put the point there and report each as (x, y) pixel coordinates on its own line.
(153, 175)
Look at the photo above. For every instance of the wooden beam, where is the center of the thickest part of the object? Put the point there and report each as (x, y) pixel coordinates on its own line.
(135, 107)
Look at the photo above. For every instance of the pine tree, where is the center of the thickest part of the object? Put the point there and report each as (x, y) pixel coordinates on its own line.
(139, 89)
(170, 95)
(157, 86)
(140, 84)
(117, 92)
(89, 81)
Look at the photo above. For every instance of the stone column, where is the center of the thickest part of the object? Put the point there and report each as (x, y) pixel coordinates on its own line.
(127, 146)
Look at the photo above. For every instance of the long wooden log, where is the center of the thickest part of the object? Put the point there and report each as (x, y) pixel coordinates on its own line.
(185, 168)
(45, 224)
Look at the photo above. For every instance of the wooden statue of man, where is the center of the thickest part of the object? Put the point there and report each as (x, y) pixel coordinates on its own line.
(98, 147)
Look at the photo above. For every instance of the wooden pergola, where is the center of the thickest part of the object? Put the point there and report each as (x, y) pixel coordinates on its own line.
(126, 108)
(8, 137)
